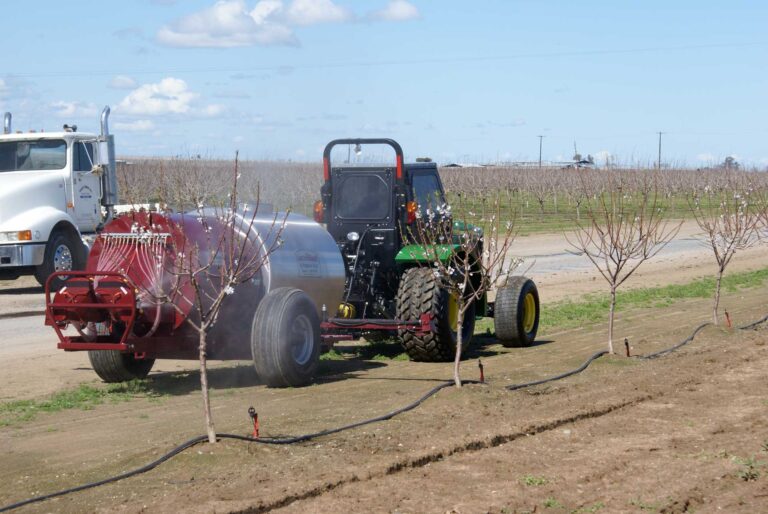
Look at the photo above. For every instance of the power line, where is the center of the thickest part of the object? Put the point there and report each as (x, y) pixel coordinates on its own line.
(365, 64)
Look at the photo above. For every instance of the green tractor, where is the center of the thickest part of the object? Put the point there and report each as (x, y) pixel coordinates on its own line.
(390, 287)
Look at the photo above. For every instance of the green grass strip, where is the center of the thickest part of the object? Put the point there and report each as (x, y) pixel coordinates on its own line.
(593, 308)
(84, 396)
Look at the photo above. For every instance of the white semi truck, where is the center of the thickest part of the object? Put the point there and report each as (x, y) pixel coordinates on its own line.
(57, 189)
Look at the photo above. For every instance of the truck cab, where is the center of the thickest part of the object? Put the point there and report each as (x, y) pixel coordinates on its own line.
(56, 189)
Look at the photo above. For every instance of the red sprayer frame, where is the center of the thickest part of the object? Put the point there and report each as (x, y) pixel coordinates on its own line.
(85, 305)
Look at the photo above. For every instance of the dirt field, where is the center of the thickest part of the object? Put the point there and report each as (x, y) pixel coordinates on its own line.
(683, 433)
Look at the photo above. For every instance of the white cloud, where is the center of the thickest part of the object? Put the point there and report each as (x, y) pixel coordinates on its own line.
(4, 89)
(135, 126)
(396, 10)
(230, 23)
(311, 12)
(212, 110)
(72, 109)
(122, 82)
(169, 96)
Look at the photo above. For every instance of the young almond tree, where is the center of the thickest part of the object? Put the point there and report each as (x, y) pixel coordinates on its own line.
(466, 260)
(730, 220)
(622, 230)
(208, 268)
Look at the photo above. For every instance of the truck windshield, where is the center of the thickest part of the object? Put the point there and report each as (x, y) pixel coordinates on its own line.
(46, 154)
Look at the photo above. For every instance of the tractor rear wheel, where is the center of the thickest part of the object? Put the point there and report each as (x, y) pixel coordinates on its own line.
(516, 312)
(113, 366)
(419, 293)
(285, 338)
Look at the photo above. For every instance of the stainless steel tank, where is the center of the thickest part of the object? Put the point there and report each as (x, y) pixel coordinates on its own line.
(307, 258)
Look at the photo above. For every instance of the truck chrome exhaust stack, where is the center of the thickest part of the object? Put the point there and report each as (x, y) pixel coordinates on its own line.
(105, 122)
(7, 123)
(107, 161)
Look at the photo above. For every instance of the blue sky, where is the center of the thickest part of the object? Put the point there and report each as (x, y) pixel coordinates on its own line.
(454, 80)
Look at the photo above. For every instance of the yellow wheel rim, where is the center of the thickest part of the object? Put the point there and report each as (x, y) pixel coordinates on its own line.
(529, 312)
(453, 311)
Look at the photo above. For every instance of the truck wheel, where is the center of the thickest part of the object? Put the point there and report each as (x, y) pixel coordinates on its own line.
(62, 253)
(419, 293)
(285, 338)
(113, 366)
(516, 313)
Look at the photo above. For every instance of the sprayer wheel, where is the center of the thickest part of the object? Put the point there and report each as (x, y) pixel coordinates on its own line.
(113, 366)
(516, 312)
(285, 338)
(419, 293)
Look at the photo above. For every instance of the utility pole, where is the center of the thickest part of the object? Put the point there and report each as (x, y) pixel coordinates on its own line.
(541, 139)
(659, 162)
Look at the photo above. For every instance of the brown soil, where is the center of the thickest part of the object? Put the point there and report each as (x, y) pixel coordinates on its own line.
(667, 435)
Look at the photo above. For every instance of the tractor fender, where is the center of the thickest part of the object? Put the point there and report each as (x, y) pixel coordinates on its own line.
(419, 254)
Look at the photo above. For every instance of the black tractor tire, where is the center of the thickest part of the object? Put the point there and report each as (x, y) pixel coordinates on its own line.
(516, 312)
(285, 338)
(113, 366)
(419, 293)
(63, 252)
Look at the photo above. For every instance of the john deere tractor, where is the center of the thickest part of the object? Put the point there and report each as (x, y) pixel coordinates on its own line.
(370, 210)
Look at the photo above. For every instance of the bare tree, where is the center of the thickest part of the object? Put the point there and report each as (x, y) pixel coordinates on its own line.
(215, 249)
(729, 219)
(622, 231)
(467, 260)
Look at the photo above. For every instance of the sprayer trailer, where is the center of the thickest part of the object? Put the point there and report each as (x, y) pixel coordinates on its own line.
(57, 189)
(355, 276)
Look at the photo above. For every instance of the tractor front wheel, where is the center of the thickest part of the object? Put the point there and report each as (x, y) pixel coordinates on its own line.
(516, 312)
(285, 338)
(419, 293)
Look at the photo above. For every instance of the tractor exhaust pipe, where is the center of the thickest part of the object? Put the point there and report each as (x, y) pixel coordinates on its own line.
(7, 123)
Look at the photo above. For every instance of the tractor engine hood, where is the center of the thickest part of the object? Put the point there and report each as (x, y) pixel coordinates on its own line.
(20, 192)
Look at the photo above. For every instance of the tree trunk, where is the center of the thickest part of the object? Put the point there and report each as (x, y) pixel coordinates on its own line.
(457, 359)
(204, 387)
(610, 319)
(719, 280)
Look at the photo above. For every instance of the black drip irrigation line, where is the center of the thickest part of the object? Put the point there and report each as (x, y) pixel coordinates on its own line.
(262, 440)
(561, 376)
(753, 324)
(306, 437)
(677, 346)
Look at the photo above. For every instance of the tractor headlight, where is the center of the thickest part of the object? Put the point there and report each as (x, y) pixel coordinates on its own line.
(21, 235)
(353, 236)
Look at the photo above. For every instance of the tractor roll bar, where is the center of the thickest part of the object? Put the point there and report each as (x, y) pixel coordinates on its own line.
(362, 141)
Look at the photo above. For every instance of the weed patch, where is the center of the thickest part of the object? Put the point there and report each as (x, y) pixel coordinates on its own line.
(84, 397)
